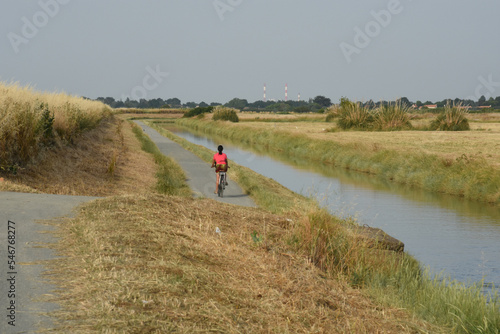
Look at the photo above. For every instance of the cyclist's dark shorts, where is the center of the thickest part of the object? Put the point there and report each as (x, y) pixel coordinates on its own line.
(220, 168)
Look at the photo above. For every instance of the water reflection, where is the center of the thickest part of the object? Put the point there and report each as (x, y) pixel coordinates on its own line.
(447, 233)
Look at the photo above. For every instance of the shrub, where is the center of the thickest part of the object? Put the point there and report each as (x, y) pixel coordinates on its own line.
(353, 115)
(225, 114)
(198, 111)
(392, 117)
(452, 119)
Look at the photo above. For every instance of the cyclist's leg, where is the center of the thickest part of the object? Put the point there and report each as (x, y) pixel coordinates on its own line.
(216, 181)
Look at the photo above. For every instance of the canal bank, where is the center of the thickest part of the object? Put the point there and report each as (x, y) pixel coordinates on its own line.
(448, 234)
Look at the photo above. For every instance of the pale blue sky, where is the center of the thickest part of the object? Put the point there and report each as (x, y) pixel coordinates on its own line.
(215, 50)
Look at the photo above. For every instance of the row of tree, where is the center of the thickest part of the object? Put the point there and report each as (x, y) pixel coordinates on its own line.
(312, 105)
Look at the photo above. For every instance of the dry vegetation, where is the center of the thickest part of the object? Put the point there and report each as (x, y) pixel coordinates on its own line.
(31, 121)
(155, 264)
(103, 161)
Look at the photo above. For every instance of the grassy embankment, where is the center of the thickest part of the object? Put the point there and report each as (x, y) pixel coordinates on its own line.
(398, 282)
(408, 157)
(31, 121)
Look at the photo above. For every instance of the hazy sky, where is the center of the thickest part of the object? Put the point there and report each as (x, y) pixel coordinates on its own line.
(215, 50)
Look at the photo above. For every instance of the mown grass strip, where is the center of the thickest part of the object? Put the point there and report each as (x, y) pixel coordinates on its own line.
(171, 178)
(472, 179)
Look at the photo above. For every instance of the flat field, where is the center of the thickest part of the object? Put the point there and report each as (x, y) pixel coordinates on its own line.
(483, 141)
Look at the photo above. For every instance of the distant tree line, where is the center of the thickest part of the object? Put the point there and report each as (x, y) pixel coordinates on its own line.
(317, 104)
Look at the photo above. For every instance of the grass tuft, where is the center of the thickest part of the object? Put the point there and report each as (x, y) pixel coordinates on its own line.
(392, 117)
(453, 118)
(353, 115)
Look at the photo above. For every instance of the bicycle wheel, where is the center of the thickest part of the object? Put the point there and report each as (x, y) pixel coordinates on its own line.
(222, 179)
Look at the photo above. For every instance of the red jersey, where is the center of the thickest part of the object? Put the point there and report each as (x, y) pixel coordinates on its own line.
(220, 159)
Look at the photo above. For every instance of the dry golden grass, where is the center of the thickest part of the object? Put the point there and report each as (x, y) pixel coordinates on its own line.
(31, 121)
(104, 161)
(155, 264)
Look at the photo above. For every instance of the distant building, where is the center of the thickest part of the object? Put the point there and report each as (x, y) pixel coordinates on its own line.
(431, 106)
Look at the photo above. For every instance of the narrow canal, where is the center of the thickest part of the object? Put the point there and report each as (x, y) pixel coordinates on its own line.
(448, 234)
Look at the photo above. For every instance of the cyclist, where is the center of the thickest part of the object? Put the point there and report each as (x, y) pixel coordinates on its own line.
(220, 163)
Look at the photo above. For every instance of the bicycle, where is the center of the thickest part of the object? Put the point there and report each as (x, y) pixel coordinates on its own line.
(222, 184)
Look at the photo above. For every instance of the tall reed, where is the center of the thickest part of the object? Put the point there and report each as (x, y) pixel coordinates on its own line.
(353, 115)
(392, 117)
(453, 118)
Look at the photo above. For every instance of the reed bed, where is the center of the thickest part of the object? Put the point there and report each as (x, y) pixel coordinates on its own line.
(30, 121)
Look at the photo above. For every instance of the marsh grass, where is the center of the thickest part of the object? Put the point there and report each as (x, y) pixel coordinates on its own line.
(392, 117)
(31, 121)
(453, 118)
(463, 308)
(353, 115)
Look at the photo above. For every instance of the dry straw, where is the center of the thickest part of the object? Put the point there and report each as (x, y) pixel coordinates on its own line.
(31, 120)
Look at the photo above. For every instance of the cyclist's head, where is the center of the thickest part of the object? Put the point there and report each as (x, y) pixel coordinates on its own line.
(220, 148)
